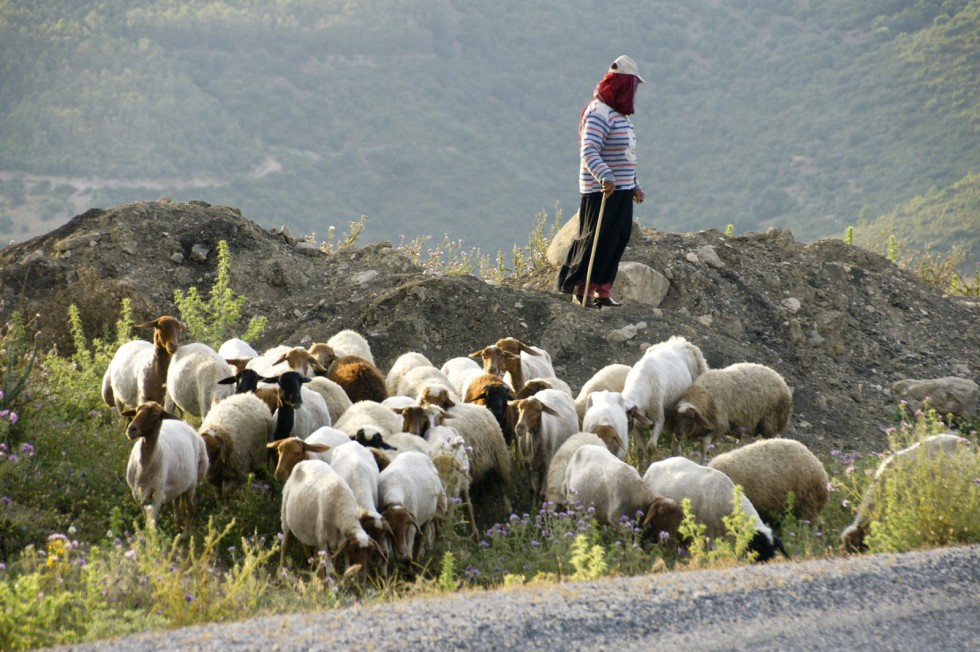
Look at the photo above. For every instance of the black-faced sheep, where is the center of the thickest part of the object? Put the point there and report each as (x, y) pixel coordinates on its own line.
(299, 411)
(712, 496)
(596, 477)
(494, 394)
(770, 470)
(138, 370)
(744, 398)
(167, 462)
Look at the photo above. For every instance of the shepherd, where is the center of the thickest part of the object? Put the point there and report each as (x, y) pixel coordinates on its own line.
(607, 183)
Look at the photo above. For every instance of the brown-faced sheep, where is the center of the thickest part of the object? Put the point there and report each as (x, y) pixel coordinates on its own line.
(138, 370)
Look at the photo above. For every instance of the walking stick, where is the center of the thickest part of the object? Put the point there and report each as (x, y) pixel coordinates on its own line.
(595, 244)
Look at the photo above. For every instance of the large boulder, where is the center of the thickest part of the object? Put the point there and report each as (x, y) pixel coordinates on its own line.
(639, 283)
(949, 395)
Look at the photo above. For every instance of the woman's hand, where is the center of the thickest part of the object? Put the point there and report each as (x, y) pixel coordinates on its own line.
(639, 195)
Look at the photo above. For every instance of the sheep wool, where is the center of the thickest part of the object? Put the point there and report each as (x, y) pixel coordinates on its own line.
(235, 433)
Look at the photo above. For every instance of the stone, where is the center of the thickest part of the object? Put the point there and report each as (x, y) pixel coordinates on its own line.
(176, 257)
(365, 277)
(710, 257)
(639, 283)
(199, 253)
(76, 241)
(792, 305)
(946, 395)
(562, 242)
(307, 248)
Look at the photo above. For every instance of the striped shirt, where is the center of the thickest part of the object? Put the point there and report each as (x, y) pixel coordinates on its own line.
(607, 149)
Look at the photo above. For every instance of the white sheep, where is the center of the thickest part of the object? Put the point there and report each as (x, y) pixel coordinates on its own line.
(357, 466)
(544, 422)
(770, 470)
(319, 510)
(461, 371)
(534, 385)
(268, 362)
(293, 450)
(166, 464)
(596, 477)
(402, 365)
(235, 433)
(515, 361)
(336, 398)
(655, 383)
(193, 379)
(423, 381)
(447, 449)
(410, 494)
(605, 415)
(350, 342)
(237, 352)
(905, 460)
(743, 398)
(487, 450)
(712, 496)
(556, 470)
(611, 377)
(369, 415)
(137, 372)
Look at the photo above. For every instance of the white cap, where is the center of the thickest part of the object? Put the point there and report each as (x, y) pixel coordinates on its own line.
(625, 66)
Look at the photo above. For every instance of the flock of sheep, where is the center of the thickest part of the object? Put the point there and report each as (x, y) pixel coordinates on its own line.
(370, 462)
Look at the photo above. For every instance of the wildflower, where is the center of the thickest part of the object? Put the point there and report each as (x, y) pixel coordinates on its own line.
(483, 544)
(72, 530)
(664, 535)
(818, 535)
(3, 566)
(13, 458)
(130, 554)
(13, 418)
(535, 544)
(189, 598)
(845, 502)
(6, 500)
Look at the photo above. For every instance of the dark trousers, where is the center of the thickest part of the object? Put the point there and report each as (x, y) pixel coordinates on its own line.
(614, 235)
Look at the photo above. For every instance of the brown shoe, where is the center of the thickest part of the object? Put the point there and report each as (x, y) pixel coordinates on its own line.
(607, 302)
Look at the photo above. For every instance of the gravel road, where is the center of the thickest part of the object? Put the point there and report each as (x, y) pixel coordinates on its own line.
(926, 600)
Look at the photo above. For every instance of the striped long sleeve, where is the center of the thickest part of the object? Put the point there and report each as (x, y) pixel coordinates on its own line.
(607, 149)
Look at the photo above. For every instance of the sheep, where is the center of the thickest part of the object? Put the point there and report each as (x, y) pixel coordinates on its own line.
(138, 370)
(268, 363)
(293, 450)
(299, 411)
(357, 466)
(596, 477)
(948, 444)
(489, 458)
(166, 464)
(244, 380)
(235, 433)
(296, 359)
(741, 398)
(544, 422)
(349, 342)
(336, 398)
(319, 509)
(447, 450)
(194, 380)
(391, 445)
(611, 377)
(237, 352)
(371, 415)
(423, 380)
(461, 371)
(494, 394)
(535, 385)
(360, 379)
(770, 469)
(410, 495)
(556, 470)
(606, 416)
(402, 365)
(655, 383)
(511, 356)
(712, 495)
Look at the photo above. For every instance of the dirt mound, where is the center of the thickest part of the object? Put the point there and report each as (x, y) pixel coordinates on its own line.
(839, 323)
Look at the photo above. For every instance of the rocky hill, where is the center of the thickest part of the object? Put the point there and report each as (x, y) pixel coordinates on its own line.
(840, 323)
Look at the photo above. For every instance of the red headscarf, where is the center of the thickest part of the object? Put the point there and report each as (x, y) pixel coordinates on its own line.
(617, 90)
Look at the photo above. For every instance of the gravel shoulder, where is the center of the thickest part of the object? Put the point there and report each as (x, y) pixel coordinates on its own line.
(923, 600)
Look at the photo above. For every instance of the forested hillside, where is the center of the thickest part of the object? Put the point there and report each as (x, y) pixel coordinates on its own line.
(440, 116)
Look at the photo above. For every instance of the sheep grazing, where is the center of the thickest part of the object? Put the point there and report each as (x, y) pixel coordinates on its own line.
(410, 494)
(712, 495)
(336, 398)
(544, 422)
(605, 415)
(138, 370)
(299, 411)
(611, 377)
(657, 381)
(194, 380)
(369, 415)
(447, 449)
(461, 371)
(166, 464)
(512, 356)
(349, 342)
(489, 457)
(904, 461)
(357, 466)
(319, 510)
(770, 470)
(596, 477)
(742, 398)
(293, 450)
(235, 433)
(237, 352)
(494, 394)
(556, 470)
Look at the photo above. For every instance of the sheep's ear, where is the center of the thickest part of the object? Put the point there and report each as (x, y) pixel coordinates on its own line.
(273, 444)
(281, 359)
(274, 379)
(305, 380)
(128, 413)
(548, 410)
(316, 448)
(237, 363)
(230, 380)
(477, 354)
(342, 547)
(317, 367)
(149, 324)
(511, 356)
(167, 415)
(380, 458)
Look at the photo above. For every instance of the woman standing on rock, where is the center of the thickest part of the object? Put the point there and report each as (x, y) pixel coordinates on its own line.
(607, 149)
